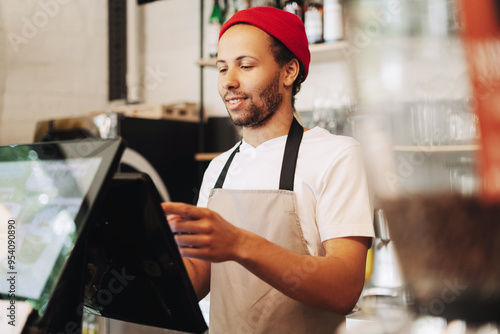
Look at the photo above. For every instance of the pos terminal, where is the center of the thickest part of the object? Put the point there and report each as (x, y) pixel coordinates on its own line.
(76, 236)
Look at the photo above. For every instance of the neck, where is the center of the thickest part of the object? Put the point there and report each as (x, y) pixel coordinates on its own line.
(277, 126)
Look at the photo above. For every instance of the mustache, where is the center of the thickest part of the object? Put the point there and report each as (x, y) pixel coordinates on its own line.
(229, 94)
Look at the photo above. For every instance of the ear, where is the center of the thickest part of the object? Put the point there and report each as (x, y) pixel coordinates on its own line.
(291, 71)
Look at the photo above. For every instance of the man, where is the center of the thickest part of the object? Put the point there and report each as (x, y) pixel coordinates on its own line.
(282, 242)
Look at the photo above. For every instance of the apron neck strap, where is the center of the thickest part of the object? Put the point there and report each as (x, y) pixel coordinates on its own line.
(223, 173)
(289, 158)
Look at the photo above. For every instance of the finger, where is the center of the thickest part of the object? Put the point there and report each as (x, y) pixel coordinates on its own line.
(183, 209)
(191, 240)
(172, 217)
(174, 222)
(198, 253)
(189, 226)
(176, 226)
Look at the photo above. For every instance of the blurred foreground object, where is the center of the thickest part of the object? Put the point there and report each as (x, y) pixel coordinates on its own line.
(436, 179)
(482, 45)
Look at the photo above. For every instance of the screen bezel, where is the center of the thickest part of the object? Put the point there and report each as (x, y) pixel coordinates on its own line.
(109, 152)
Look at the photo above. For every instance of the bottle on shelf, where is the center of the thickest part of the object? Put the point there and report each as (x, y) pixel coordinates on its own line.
(333, 22)
(313, 22)
(213, 29)
(295, 7)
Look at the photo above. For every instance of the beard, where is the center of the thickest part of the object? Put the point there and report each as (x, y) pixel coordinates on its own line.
(256, 116)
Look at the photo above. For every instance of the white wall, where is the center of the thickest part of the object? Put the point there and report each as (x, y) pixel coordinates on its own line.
(172, 48)
(54, 61)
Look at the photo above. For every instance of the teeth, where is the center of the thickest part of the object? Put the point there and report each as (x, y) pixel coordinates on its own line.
(235, 101)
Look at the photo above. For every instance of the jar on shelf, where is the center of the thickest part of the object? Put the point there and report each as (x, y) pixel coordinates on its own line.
(313, 22)
(333, 21)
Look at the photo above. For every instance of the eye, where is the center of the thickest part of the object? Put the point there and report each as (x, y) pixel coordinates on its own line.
(246, 67)
(222, 70)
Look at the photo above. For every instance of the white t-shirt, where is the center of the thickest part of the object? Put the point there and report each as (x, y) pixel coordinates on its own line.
(330, 184)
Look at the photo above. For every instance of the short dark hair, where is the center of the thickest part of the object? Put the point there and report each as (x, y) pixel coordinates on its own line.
(283, 56)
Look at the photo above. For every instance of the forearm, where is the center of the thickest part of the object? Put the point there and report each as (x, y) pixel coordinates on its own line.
(328, 282)
(199, 274)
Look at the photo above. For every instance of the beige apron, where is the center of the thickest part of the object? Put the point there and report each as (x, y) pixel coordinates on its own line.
(240, 302)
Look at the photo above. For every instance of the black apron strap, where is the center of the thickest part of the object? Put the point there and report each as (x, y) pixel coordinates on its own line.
(289, 158)
(223, 173)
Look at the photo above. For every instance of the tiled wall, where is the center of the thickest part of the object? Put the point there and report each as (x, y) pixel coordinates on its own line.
(53, 61)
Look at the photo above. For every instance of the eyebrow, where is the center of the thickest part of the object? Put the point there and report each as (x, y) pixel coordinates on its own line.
(221, 61)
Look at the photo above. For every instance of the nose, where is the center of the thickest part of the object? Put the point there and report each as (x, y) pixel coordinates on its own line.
(229, 80)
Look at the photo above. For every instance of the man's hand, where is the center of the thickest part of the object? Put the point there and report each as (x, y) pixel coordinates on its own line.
(203, 234)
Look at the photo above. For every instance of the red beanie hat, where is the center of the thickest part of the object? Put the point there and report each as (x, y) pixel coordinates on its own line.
(285, 26)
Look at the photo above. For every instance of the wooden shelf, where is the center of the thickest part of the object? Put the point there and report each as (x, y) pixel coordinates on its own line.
(325, 52)
(320, 53)
(442, 148)
(206, 156)
(209, 62)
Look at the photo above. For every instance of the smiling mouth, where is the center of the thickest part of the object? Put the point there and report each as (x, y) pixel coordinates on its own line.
(235, 101)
